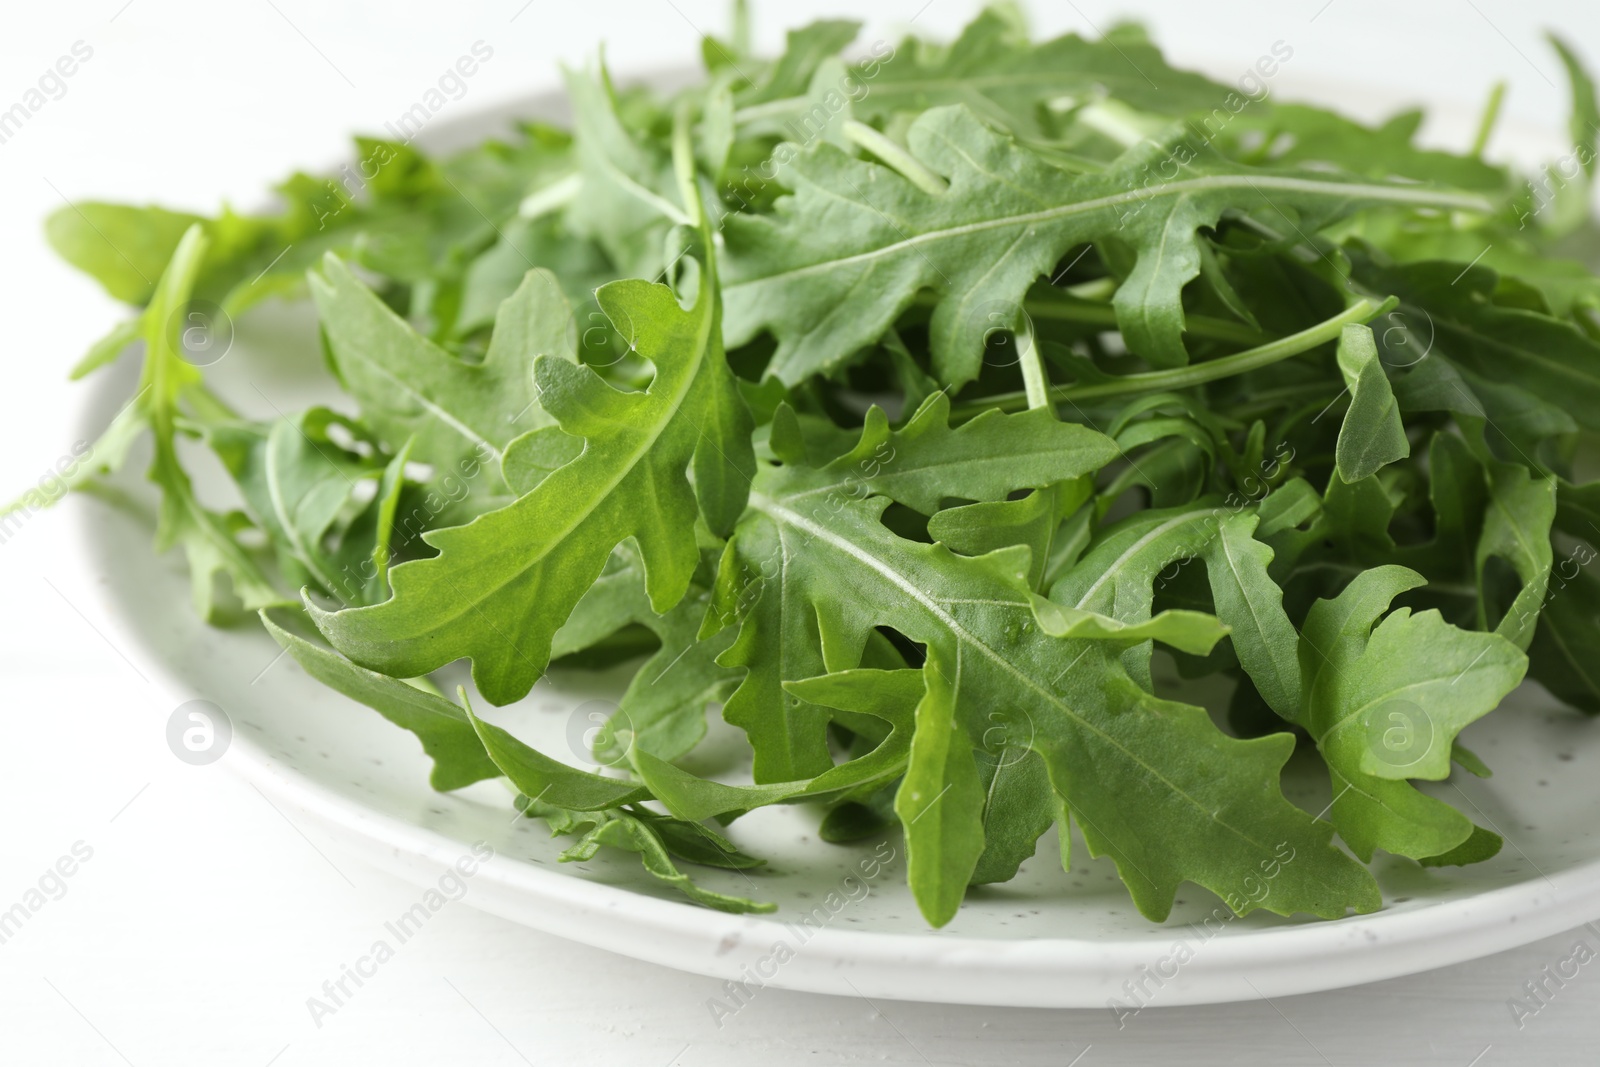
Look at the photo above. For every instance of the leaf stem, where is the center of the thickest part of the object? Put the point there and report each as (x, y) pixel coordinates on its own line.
(1089, 311)
(1036, 384)
(1363, 310)
(1120, 123)
(893, 155)
(553, 197)
(683, 168)
(1054, 309)
(1491, 112)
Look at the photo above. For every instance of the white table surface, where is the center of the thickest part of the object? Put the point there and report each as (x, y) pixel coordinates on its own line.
(206, 917)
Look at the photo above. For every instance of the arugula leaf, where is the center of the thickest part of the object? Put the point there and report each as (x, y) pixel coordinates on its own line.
(1384, 703)
(207, 538)
(501, 585)
(1560, 656)
(1296, 134)
(126, 249)
(889, 695)
(1107, 743)
(1117, 577)
(985, 459)
(447, 736)
(1516, 528)
(632, 833)
(625, 205)
(663, 709)
(995, 71)
(298, 483)
(1037, 520)
(941, 799)
(805, 50)
(1372, 435)
(1549, 358)
(409, 388)
(1584, 120)
(542, 778)
(835, 266)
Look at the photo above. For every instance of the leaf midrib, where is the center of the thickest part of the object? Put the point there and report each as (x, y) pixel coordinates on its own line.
(581, 515)
(290, 529)
(771, 507)
(443, 414)
(1355, 190)
(1114, 568)
(917, 472)
(1477, 336)
(1238, 580)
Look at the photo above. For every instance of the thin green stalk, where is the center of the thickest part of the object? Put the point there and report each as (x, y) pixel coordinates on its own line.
(553, 197)
(1491, 112)
(891, 154)
(1051, 309)
(1363, 310)
(1036, 384)
(740, 33)
(1089, 312)
(1099, 289)
(683, 167)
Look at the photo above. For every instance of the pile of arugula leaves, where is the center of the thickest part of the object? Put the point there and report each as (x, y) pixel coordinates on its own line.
(898, 407)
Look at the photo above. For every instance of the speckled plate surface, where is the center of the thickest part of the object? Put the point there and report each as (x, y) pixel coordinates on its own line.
(846, 923)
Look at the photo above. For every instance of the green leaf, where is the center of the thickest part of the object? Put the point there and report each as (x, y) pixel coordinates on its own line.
(993, 69)
(625, 203)
(1153, 783)
(888, 695)
(1516, 528)
(1583, 124)
(1385, 703)
(380, 517)
(1545, 356)
(502, 585)
(1372, 435)
(835, 266)
(1118, 575)
(106, 350)
(544, 779)
(455, 412)
(941, 799)
(126, 249)
(1296, 134)
(298, 482)
(1019, 804)
(1188, 631)
(206, 537)
(663, 709)
(525, 244)
(632, 834)
(447, 736)
(805, 49)
(926, 461)
(1561, 657)
(985, 459)
(1036, 520)
(697, 843)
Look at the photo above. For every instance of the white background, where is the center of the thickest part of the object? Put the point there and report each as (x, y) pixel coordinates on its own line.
(205, 917)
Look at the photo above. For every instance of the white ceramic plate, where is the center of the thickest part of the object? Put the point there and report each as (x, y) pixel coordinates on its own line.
(846, 923)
